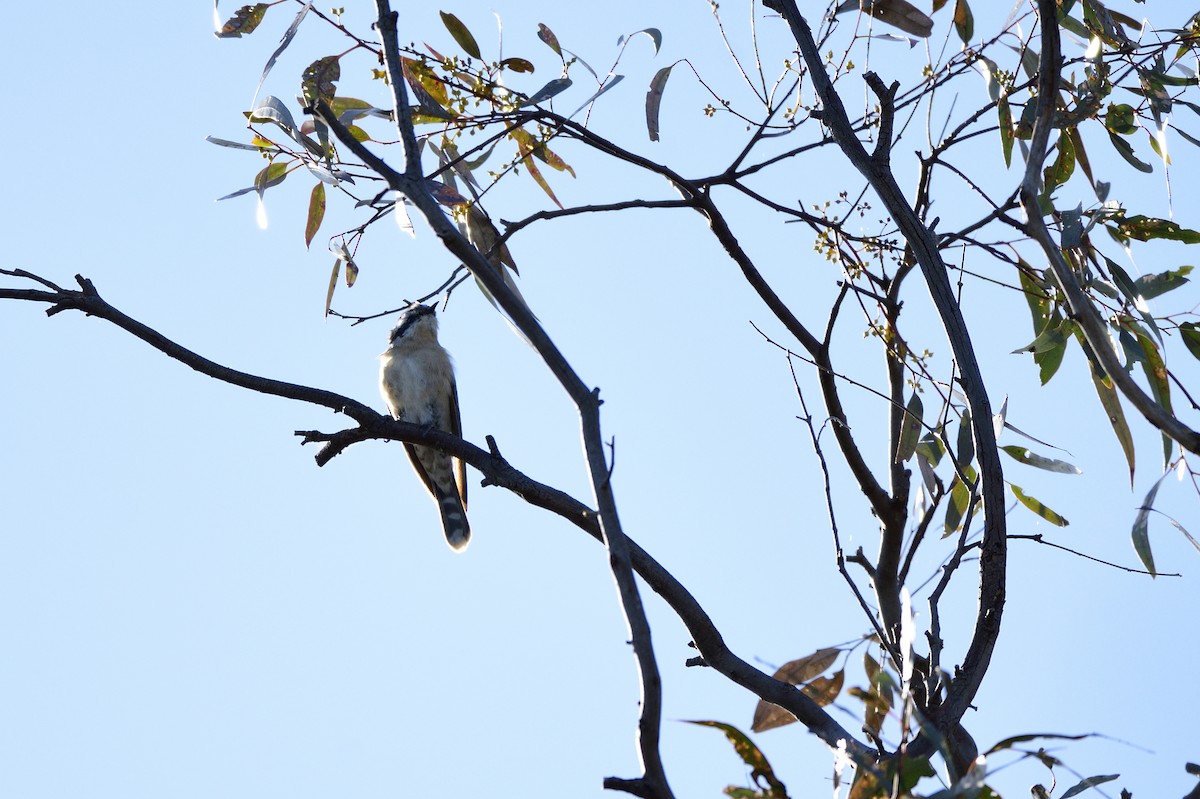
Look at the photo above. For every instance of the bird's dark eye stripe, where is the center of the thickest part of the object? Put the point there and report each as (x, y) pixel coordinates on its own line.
(409, 319)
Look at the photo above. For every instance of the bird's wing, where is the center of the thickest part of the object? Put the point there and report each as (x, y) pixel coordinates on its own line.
(420, 470)
(454, 423)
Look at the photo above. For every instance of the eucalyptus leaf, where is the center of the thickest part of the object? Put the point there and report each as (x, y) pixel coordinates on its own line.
(1038, 507)
(1032, 459)
(1141, 527)
(654, 100)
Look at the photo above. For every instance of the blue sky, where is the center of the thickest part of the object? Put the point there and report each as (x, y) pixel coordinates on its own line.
(191, 608)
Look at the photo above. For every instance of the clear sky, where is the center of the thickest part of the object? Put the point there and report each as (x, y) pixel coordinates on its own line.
(189, 607)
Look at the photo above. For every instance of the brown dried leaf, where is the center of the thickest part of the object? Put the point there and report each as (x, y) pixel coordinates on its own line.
(824, 690)
(768, 715)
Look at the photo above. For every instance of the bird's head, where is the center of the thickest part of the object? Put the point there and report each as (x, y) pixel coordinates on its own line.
(416, 321)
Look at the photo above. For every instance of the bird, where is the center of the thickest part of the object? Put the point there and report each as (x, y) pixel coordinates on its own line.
(416, 378)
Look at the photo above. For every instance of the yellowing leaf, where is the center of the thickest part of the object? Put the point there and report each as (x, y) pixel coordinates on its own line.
(1144, 228)
(525, 145)
(1033, 459)
(333, 278)
(316, 213)
(1006, 129)
(750, 754)
(1038, 507)
(317, 81)
(243, 21)
(271, 175)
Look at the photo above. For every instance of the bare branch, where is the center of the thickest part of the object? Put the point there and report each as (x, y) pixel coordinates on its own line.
(497, 472)
(412, 184)
(993, 560)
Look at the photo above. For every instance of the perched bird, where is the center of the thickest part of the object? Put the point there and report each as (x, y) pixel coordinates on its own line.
(416, 379)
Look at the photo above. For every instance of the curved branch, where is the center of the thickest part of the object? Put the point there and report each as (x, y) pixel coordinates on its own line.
(497, 472)
(1082, 310)
(411, 183)
(993, 558)
(89, 301)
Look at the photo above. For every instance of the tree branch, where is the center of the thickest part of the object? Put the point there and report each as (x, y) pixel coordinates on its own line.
(993, 559)
(1082, 310)
(412, 185)
(496, 471)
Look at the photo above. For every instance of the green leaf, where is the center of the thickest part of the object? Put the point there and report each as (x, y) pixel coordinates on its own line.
(1074, 26)
(1090, 782)
(1160, 386)
(956, 508)
(1036, 297)
(316, 213)
(333, 279)
(271, 175)
(547, 36)
(931, 449)
(1081, 156)
(655, 35)
(340, 105)
(1050, 358)
(910, 429)
(1063, 167)
(1126, 151)
(556, 86)
(966, 442)
(750, 754)
(1160, 151)
(654, 100)
(1150, 286)
(284, 41)
(1111, 402)
(461, 35)
(1049, 464)
(243, 21)
(964, 21)
(1037, 507)
(1186, 135)
(1144, 228)
(1006, 129)
(1120, 118)
(1051, 337)
(1141, 527)
(1190, 333)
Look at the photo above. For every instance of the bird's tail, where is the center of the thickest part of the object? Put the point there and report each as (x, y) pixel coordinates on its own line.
(454, 520)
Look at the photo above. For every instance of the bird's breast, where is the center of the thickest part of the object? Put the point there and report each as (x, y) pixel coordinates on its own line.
(417, 386)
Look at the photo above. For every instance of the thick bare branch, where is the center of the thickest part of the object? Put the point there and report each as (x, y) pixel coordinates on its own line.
(411, 183)
(497, 472)
(993, 557)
